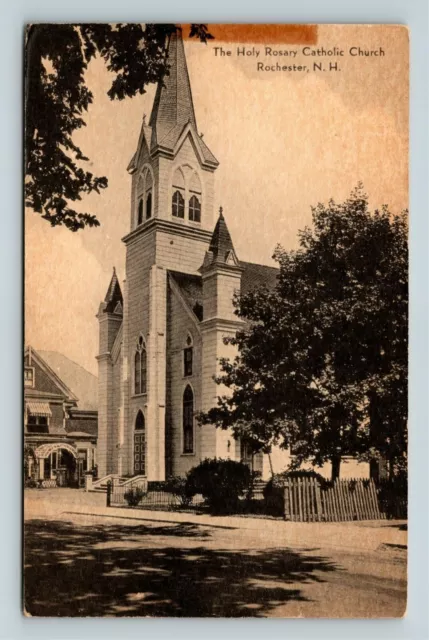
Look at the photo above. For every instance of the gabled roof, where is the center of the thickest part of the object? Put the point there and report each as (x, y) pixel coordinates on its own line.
(257, 275)
(253, 276)
(82, 383)
(65, 391)
(191, 289)
(144, 137)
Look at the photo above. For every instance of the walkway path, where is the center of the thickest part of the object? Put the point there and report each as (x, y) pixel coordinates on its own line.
(365, 535)
(83, 559)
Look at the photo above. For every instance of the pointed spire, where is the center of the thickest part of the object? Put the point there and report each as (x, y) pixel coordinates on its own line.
(173, 100)
(221, 244)
(113, 295)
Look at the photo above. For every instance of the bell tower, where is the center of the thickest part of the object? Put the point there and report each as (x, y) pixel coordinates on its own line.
(172, 185)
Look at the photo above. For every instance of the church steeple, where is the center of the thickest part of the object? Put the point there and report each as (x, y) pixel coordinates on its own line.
(113, 301)
(221, 243)
(173, 105)
(173, 111)
(221, 251)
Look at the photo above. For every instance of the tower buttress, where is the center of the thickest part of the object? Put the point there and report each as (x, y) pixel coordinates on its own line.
(110, 315)
(171, 220)
(221, 275)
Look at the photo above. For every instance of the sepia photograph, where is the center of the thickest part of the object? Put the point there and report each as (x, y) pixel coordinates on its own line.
(215, 370)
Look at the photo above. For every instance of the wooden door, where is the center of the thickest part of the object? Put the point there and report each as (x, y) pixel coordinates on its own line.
(139, 454)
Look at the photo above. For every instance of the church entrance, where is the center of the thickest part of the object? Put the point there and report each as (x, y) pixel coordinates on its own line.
(140, 446)
(253, 460)
(246, 454)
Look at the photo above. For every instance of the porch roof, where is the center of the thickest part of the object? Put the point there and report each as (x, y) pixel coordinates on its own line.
(45, 450)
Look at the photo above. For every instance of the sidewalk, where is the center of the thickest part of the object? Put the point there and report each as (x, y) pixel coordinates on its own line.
(364, 535)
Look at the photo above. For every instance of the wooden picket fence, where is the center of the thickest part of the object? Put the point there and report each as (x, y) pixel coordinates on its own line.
(305, 500)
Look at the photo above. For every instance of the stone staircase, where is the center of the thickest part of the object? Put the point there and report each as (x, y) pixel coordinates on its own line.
(258, 489)
(100, 485)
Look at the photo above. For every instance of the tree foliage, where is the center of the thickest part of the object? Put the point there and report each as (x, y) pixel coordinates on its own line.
(221, 482)
(322, 364)
(56, 99)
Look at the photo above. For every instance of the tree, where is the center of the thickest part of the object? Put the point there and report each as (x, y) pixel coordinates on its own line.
(56, 98)
(322, 364)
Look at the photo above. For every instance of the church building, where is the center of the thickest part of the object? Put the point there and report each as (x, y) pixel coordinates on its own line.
(162, 332)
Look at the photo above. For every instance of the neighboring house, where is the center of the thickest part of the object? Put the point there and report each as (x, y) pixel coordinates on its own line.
(60, 419)
(161, 339)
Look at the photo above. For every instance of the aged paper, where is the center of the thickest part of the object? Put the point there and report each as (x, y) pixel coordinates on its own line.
(215, 367)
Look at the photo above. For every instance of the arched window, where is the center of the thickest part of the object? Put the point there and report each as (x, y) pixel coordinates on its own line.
(144, 196)
(178, 199)
(195, 198)
(140, 423)
(148, 205)
(188, 356)
(148, 192)
(188, 420)
(137, 379)
(140, 185)
(140, 368)
(194, 209)
(140, 212)
(140, 445)
(178, 205)
(143, 371)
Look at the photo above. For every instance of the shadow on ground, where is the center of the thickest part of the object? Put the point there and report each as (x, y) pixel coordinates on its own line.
(115, 570)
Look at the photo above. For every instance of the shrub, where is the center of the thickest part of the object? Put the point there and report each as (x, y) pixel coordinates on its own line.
(393, 497)
(134, 496)
(273, 490)
(30, 483)
(157, 485)
(221, 483)
(180, 488)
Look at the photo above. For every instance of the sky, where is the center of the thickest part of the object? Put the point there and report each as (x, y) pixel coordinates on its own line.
(284, 140)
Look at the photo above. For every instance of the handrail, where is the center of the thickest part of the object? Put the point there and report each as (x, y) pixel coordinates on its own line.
(105, 479)
(133, 480)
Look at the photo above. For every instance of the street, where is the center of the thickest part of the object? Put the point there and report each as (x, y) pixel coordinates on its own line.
(82, 559)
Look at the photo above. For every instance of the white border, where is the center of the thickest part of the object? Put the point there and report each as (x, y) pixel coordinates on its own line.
(14, 16)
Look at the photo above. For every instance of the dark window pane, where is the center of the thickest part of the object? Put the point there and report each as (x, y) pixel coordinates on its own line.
(148, 205)
(140, 212)
(178, 205)
(188, 357)
(137, 385)
(194, 209)
(188, 421)
(140, 425)
(143, 371)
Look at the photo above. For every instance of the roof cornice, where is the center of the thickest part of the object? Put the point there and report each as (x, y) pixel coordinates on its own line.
(168, 226)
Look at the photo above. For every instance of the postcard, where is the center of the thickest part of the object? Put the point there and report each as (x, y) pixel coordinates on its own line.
(216, 320)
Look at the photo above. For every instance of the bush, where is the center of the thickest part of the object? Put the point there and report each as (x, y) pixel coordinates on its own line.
(157, 485)
(134, 496)
(221, 483)
(180, 488)
(393, 497)
(273, 490)
(30, 483)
